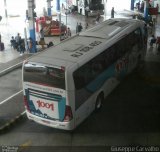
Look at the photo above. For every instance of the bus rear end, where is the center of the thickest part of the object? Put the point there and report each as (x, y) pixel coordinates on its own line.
(45, 95)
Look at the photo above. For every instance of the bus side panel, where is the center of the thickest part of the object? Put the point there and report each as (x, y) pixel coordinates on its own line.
(85, 97)
(70, 91)
(84, 110)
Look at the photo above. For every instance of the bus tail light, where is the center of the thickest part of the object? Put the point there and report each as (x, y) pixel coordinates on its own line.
(68, 114)
(62, 68)
(26, 103)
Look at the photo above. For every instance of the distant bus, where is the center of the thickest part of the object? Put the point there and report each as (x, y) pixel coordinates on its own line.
(64, 84)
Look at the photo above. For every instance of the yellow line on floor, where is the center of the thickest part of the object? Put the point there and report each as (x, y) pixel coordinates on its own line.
(24, 145)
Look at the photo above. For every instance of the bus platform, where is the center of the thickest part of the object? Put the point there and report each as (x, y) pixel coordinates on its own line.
(11, 59)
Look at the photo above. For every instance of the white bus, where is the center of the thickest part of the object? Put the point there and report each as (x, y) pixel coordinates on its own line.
(66, 82)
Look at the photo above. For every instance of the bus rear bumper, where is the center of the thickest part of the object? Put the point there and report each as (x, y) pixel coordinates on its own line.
(50, 123)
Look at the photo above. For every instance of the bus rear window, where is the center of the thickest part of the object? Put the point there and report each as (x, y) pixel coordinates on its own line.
(44, 75)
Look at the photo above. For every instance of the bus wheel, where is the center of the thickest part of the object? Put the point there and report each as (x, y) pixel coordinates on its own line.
(99, 102)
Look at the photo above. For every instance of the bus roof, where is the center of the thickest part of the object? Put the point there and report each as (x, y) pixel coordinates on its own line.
(86, 44)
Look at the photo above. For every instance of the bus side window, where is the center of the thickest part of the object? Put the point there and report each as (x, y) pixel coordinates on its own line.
(106, 61)
(78, 81)
(82, 76)
(110, 54)
(136, 38)
(96, 69)
(106, 58)
(120, 50)
(129, 41)
(87, 74)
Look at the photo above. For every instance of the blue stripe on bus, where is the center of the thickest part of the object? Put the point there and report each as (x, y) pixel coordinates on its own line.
(99, 81)
(61, 108)
(104, 76)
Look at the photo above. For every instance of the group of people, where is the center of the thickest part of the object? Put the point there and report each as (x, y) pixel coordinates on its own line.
(65, 35)
(18, 43)
(140, 6)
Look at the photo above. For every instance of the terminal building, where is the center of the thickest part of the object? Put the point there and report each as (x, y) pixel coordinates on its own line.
(19, 7)
(56, 8)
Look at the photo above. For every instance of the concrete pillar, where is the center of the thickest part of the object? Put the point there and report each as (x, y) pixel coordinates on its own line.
(59, 15)
(105, 11)
(5, 6)
(58, 6)
(31, 7)
(58, 10)
(146, 9)
(132, 4)
(49, 7)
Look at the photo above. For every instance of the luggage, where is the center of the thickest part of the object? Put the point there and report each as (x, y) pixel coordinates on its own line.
(1, 46)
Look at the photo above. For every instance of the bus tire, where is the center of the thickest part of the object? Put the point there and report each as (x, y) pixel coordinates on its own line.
(99, 102)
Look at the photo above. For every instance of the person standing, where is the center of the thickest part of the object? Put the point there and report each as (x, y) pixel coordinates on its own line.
(80, 27)
(22, 46)
(157, 11)
(112, 12)
(86, 25)
(1, 44)
(77, 28)
(13, 42)
(18, 39)
(41, 34)
(31, 44)
(42, 41)
(68, 34)
(86, 11)
(138, 5)
(157, 7)
(98, 17)
(152, 40)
